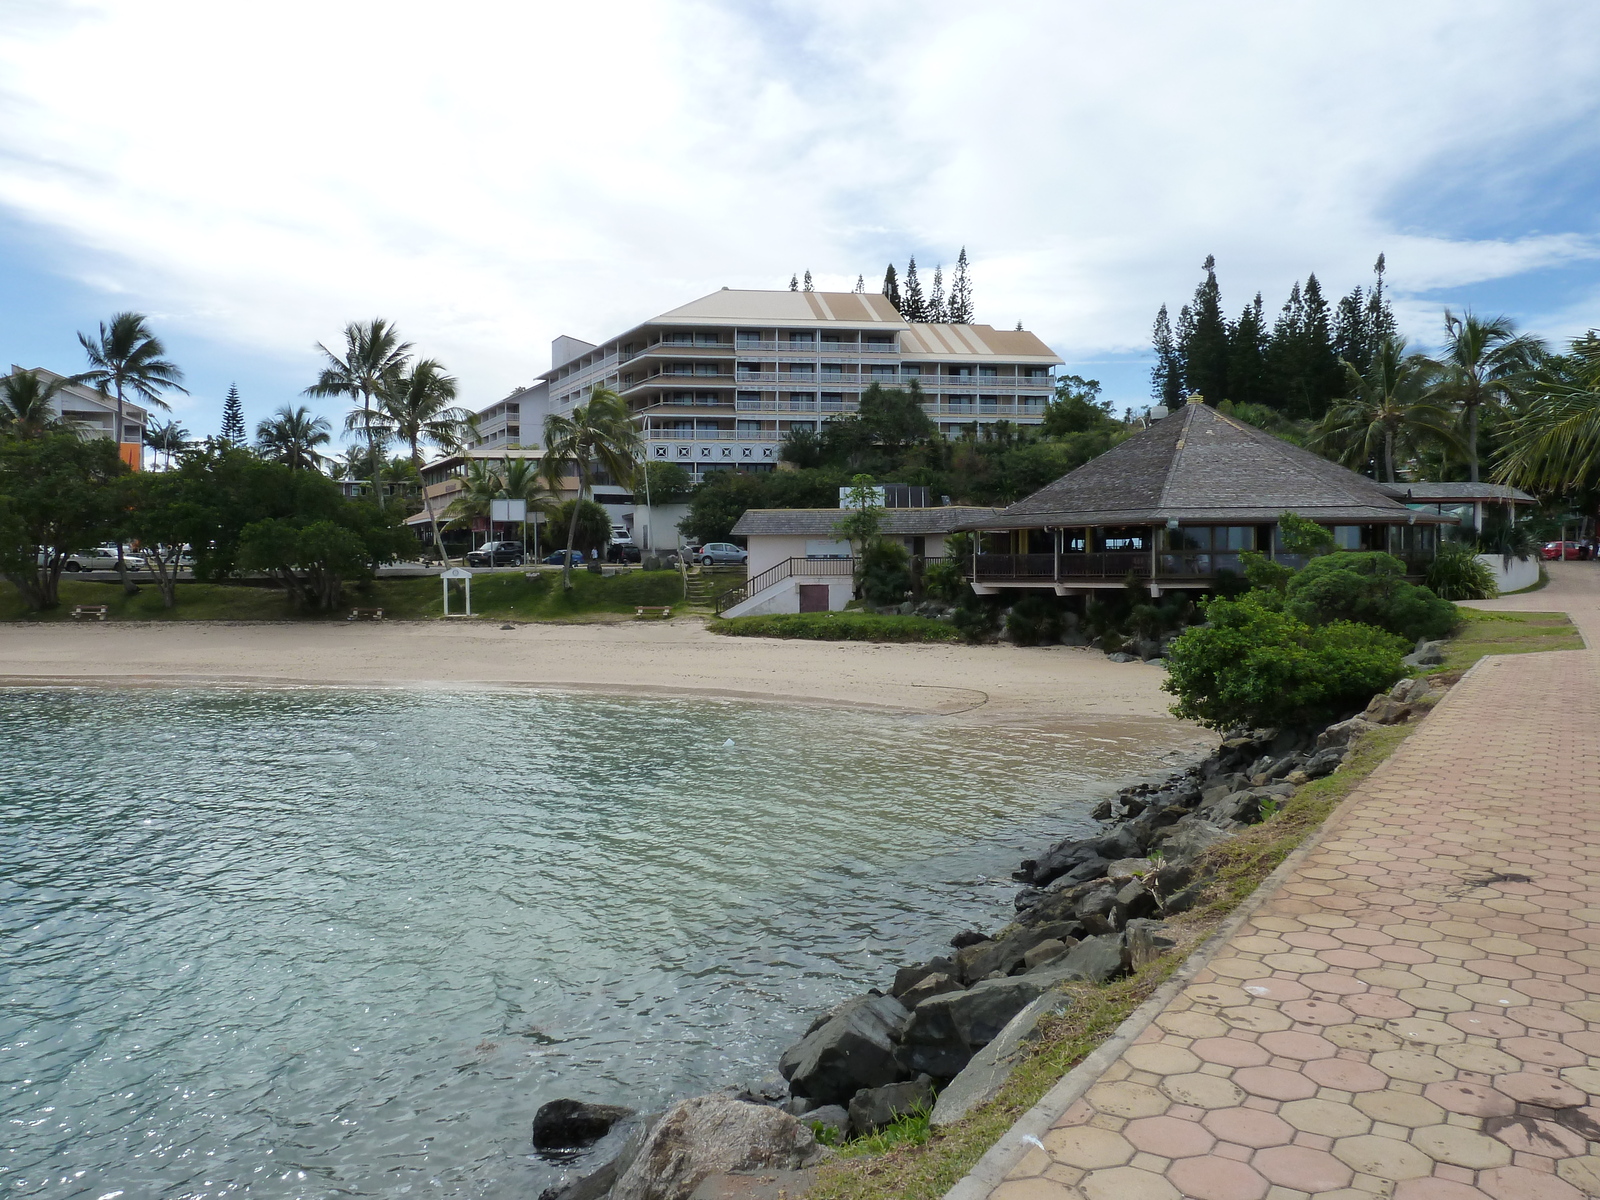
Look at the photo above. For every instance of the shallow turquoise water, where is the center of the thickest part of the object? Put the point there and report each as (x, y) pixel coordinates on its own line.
(317, 943)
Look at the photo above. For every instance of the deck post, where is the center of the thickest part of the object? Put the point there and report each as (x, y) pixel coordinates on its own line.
(1055, 566)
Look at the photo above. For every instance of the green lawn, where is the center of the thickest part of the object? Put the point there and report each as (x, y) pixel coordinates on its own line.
(508, 596)
(1484, 633)
(839, 627)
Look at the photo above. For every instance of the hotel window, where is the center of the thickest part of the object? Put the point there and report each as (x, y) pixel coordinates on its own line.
(1347, 537)
(806, 426)
(707, 369)
(911, 370)
(747, 428)
(802, 338)
(677, 339)
(513, 408)
(878, 339)
(749, 397)
(749, 368)
(748, 337)
(832, 370)
(989, 372)
(707, 339)
(879, 371)
(707, 399)
(513, 431)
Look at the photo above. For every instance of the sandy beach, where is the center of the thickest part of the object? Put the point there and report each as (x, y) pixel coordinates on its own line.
(972, 684)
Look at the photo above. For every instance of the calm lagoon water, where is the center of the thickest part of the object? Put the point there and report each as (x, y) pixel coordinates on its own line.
(321, 943)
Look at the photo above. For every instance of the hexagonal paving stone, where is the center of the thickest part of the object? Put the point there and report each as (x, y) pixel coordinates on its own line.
(1088, 1146)
(1125, 1099)
(1202, 1091)
(1274, 1083)
(1399, 1108)
(1215, 1178)
(1301, 1046)
(1521, 1183)
(1384, 1157)
(1127, 1183)
(1415, 1066)
(1470, 1099)
(1461, 1147)
(1160, 1058)
(1346, 1074)
(1484, 1060)
(1192, 1024)
(1543, 1052)
(1169, 1137)
(1325, 1117)
(1529, 1135)
(1528, 1088)
(1582, 1173)
(1230, 1052)
(1248, 1127)
(1031, 1189)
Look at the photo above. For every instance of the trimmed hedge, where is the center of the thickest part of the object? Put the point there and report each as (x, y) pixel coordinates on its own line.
(838, 627)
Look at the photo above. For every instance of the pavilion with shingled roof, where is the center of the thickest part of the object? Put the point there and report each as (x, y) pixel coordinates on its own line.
(1178, 502)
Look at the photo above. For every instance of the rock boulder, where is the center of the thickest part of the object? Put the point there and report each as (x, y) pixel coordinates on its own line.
(853, 1049)
(574, 1124)
(873, 1108)
(710, 1135)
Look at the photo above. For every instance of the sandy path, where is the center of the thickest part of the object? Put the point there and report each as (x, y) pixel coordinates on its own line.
(984, 684)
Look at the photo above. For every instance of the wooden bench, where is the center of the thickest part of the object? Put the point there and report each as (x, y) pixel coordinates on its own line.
(98, 611)
(365, 614)
(655, 612)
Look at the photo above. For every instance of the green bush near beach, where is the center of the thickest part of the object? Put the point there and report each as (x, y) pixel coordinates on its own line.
(839, 627)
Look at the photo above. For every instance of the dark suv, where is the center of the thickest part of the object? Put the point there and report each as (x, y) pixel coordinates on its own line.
(496, 554)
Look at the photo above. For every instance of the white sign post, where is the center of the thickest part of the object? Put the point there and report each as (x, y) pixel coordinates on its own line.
(457, 573)
(508, 512)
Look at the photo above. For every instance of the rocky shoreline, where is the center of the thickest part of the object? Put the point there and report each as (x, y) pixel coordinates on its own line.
(944, 1035)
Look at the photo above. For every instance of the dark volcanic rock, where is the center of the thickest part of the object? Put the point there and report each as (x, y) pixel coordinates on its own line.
(574, 1124)
(873, 1108)
(907, 978)
(1093, 960)
(968, 937)
(853, 1049)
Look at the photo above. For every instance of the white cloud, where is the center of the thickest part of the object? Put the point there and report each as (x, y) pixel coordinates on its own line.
(492, 174)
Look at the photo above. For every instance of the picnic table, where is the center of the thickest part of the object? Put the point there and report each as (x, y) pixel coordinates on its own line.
(656, 612)
(365, 614)
(98, 611)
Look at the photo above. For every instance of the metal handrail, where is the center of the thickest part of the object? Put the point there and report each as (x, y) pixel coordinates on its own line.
(779, 572)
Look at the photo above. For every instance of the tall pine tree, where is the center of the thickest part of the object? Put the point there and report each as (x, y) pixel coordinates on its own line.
(960, 305)
(1203, 339)
(233, 418)
(1247, 357)
(936, 310)
(861, 284)
(1166, 377)
(794, 283)
(891, 289)
(807, 286)
(1324, 376)
(915, 307)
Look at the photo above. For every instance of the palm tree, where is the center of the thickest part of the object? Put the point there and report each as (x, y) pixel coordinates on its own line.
(521, 480)
(127, 357)
(292, 436)
(1554, 443)
(486, 480)
(1484, 364)
(373, 356)
(418, 407)
(168, 439)
(25, 402)
(600, 432)
(1385, 409)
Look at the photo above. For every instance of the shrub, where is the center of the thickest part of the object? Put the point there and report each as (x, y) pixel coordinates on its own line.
(1368, 587)
(884, 573)
(837, 627)
(1253, 665)
(1035, 618)
(1456, 574)
(943, 580)
(976, 618)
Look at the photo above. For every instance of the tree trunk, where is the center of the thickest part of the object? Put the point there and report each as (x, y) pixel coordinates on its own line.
(572, 534)
(427, 503)
(1472, 440)
(372, 451)
(1388, 454)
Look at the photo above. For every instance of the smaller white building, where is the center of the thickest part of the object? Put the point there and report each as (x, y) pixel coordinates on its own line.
(799, 562)
(94, 414)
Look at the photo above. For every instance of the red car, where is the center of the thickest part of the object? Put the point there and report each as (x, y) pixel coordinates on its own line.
(1563, 550)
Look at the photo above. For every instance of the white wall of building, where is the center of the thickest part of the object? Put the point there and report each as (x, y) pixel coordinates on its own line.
(784, 596)
(1520, 573)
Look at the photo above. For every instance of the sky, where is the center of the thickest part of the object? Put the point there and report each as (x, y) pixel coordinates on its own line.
(489, 175)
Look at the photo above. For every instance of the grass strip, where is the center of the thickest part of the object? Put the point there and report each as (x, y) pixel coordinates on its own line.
(1484, 632)
(496, 597)
(839, 627)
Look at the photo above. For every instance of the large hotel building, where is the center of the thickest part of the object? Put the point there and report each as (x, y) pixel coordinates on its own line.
(722, 380)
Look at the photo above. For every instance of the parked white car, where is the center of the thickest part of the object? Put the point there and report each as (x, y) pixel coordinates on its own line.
(99, 558)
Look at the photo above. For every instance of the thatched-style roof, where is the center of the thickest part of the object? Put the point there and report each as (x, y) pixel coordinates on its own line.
(1201, 467)
(824, 522)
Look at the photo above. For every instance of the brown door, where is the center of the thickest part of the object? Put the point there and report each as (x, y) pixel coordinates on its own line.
(813, 597)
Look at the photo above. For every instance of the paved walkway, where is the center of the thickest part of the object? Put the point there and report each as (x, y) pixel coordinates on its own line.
(1415, 1013)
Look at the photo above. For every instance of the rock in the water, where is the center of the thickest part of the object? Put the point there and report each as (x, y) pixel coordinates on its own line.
(597, 1184)
(1004, 953)
(1093, 960)
(574, 1124)
(928, 987)
(1103, 810)
(981, 1079)
(709, 1135)
(907, 978)
(968, 937)
(852, 1050)
(833, 1116)
(873, 1108)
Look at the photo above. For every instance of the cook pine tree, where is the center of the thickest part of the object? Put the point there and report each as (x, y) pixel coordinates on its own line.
(233, 418)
